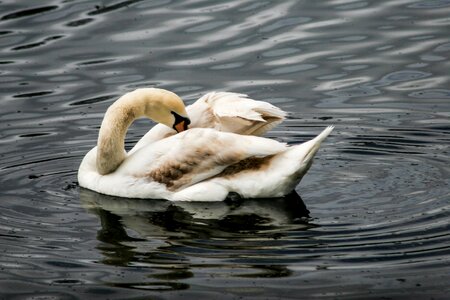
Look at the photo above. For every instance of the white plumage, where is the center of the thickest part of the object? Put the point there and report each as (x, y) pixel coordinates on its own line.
(199, 164)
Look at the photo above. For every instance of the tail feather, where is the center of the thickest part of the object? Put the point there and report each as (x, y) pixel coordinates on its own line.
(326, 132)
(304, 153)
(285, 171)
(315, 143)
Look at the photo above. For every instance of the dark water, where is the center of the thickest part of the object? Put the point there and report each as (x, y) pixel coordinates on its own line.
(378, 193)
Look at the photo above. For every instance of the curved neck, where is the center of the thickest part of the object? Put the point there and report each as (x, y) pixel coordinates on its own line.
(150, 102)
(111, 137)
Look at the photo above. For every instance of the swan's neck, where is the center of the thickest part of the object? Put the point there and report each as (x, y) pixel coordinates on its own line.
(153, 103)
(111, 138)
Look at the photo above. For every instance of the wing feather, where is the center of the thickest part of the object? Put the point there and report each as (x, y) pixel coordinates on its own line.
(196, 155)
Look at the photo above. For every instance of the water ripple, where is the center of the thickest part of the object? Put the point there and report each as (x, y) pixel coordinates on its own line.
(372, 219)
(28, 12)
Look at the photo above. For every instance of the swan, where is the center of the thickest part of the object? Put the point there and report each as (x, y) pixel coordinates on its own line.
(199, 164)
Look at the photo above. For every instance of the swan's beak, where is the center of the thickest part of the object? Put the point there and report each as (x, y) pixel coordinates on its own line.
(182, 124)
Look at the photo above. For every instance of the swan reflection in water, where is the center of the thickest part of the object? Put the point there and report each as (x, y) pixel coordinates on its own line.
(160, 234)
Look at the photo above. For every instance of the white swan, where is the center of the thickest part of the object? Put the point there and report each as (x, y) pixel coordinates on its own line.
(199, 164)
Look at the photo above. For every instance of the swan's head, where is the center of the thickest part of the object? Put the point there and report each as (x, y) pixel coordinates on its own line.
(166, 108)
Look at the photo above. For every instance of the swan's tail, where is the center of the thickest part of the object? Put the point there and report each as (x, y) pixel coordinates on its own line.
(288, 168)
(301, 156)
(314, 144)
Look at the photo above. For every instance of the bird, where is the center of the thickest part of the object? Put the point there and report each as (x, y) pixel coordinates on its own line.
(181, 160)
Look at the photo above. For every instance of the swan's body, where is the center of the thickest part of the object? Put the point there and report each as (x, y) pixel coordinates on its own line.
(200, 164)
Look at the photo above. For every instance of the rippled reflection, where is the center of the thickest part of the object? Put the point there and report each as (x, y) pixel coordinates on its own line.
(147, 233)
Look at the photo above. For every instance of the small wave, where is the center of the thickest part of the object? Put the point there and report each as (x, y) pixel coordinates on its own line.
(28, 12)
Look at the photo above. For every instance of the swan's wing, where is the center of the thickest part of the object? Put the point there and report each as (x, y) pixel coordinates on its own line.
(223, 111)
(196, 155)
(233, 112)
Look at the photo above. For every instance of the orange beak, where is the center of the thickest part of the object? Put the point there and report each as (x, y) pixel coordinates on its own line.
(182, 126)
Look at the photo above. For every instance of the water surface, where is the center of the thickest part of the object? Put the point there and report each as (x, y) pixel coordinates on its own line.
(369, 221)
